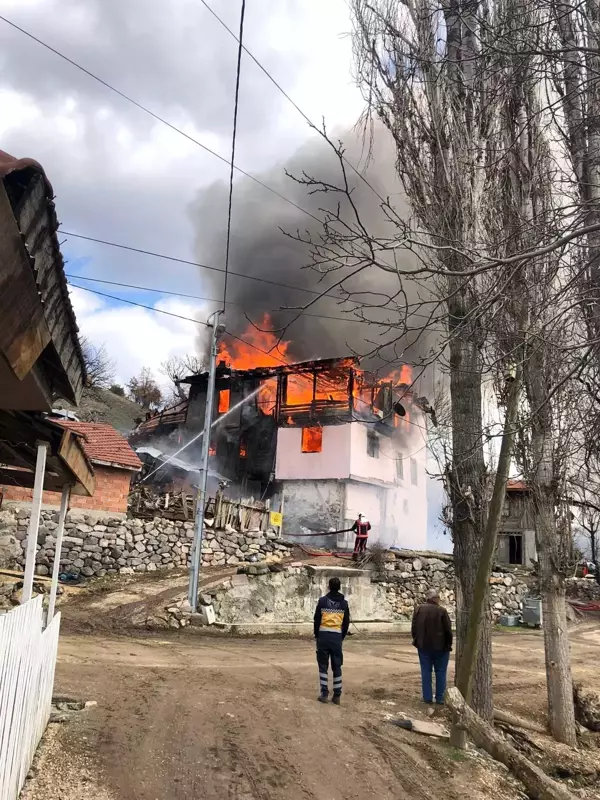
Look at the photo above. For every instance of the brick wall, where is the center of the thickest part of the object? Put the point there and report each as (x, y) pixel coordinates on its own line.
(112, 488)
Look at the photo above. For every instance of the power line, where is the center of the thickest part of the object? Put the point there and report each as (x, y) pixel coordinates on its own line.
(214, 299)
(233, 140)
(154, 115)
(194, 263)
(287, 97)
(255, 278)
(201, 322)
(139, 305)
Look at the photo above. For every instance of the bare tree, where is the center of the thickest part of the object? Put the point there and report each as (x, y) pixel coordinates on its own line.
(99, 367)
(176, 368)
(432, 97)
(145, 391)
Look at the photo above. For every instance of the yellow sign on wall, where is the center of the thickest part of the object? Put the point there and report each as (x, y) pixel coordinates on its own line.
(276, 519)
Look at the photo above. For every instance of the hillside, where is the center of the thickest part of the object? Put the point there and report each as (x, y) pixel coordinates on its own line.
(101, 405)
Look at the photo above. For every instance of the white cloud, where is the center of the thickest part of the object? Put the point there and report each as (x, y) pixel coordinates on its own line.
(136, 337)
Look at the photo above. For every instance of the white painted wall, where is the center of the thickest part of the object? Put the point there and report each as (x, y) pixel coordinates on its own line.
(332, 462)
(396, 508)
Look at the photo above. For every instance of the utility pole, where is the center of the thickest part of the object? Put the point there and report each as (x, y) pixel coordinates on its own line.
(196, 556)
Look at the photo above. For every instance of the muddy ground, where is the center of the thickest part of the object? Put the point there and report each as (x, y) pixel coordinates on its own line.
(181, 717)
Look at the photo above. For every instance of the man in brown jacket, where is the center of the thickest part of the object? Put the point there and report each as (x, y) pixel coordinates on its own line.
(432, 636)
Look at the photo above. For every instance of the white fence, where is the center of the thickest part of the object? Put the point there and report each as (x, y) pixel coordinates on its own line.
(27, 661)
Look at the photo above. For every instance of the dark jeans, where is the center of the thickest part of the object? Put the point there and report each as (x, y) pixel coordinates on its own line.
(434, 660)
(329, 648)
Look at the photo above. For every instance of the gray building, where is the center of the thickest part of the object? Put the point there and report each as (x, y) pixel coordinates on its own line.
(516, 539)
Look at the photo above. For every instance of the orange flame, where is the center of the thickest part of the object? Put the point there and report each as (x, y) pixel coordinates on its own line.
(224, 396)
(312, 440)
(262, 348)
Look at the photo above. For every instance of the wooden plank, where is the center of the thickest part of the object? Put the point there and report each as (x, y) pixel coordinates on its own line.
(24, 332)
(27, 664)
(71, 452)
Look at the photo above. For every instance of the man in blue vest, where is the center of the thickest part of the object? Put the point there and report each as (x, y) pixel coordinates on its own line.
(332, 620)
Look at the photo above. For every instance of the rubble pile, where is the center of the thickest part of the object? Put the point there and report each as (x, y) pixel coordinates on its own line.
(96, 546)
(583, 589)
(407, 580)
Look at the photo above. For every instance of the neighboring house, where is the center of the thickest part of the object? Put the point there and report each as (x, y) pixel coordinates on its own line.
(320, 438)
(516, 539)
(114, 464)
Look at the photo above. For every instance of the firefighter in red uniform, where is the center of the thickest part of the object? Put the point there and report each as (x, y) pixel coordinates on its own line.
(361, 527)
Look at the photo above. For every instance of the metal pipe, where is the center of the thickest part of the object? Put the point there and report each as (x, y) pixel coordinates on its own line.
(196, 555)
(34, 520)
(64, 507)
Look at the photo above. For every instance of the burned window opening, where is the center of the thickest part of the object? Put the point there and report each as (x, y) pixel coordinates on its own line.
(224, 400)
(312, 440)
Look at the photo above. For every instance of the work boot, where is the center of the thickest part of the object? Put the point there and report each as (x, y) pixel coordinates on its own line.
(337, 699)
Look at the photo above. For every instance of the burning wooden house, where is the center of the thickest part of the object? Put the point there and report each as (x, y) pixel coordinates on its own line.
(327, 439)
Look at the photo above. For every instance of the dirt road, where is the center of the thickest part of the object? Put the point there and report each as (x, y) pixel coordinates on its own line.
(186, 718)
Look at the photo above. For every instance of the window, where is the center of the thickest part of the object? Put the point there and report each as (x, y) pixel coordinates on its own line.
(372, 444)
(400, 468)
(413, 472)
(224, 395)
(515, 549)
(312, 440)
(405, 505)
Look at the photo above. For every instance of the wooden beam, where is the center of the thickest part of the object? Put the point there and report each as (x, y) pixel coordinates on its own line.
(64, 507)
(71, 453)
(537, 784)
(34, 521)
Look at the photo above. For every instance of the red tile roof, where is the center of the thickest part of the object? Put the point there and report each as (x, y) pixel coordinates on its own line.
(514, 485)
(102, 443)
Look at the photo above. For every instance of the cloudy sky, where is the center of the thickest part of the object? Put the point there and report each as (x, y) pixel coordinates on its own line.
(122, 176)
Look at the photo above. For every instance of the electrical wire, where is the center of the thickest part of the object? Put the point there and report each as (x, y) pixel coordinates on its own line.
(154, 115)
(233, 141)
(140, 305)
(194, 263)
(201, 322)
(212, 299)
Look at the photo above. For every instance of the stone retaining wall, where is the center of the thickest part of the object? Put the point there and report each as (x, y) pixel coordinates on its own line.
(97, 546)
(288, 594)
(407, 581)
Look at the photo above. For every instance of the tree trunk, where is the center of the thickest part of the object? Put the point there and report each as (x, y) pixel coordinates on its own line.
(478, 609)
(467, 497)
(537, 784)
(551, 557)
